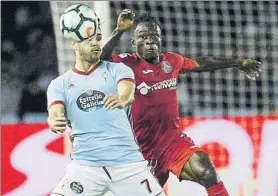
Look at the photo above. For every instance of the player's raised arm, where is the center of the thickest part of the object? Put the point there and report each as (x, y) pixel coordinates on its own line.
(125, 22)
(250, 67)
(56, 108)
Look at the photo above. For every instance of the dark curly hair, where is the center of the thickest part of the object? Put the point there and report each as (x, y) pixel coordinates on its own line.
(146, 17)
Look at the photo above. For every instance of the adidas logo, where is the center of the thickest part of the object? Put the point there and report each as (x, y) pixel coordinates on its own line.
(71, 86)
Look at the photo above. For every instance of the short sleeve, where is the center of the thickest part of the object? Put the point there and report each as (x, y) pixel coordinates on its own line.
(55, 93)
(186, 64)
(120, 57)
(122, 72)
(116, 59)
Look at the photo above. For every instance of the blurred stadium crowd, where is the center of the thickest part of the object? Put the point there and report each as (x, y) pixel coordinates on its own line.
(29, 57)
(29, 60)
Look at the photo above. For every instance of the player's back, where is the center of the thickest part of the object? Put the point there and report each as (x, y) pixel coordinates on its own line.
(101, 137)
(155, 109)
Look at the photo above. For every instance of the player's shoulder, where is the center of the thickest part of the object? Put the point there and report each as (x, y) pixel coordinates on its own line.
(60, 80)
(115, 65)
(175, 57)
(124, 57)
(65, 75)
(172, 55)
(112, 64)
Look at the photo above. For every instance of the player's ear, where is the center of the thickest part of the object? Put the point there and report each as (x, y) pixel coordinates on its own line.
(133, 43)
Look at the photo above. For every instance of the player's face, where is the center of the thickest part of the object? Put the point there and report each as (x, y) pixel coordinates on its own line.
(147, 41)
(90, 49)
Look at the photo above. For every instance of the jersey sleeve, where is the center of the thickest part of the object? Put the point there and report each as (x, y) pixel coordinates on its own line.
(116, 59)
(120, 57)
(122, 72)
(186, 64)
(55, 93)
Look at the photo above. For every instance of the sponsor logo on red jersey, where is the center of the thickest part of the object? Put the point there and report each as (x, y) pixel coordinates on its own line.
(171, 84)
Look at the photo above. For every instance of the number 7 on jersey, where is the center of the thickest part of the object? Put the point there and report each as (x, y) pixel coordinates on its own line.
(147, 185)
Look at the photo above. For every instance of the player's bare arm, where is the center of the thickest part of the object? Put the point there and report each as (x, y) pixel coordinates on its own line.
(250, 67)
(126, 91)
(56, 118)
(125, 22)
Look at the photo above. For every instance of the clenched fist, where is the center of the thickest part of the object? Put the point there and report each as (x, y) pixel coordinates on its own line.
(125, 20)
(112, 101)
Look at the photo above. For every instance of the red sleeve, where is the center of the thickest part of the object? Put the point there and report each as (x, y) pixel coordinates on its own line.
(116, 59)
(186, 64)
(120, 58)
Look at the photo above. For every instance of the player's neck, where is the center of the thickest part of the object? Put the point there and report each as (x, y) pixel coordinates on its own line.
(152, 61)
(85, 65)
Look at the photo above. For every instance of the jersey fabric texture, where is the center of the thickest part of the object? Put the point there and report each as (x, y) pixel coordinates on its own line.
(155, 111)
(101, 137)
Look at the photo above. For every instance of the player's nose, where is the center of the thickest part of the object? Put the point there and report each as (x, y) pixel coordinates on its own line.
(150, 42)
(94, 43)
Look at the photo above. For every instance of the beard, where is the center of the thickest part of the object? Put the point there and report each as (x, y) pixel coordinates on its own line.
(91, 57)
(94, 57)
(93, 60)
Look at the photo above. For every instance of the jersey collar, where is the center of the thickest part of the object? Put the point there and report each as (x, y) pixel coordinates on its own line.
(88, 72)
(161, 59)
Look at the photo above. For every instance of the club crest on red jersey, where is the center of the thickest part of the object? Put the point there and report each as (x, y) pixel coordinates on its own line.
(166, 67)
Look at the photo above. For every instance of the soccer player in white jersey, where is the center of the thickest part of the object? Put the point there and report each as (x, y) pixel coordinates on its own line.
(93, 98)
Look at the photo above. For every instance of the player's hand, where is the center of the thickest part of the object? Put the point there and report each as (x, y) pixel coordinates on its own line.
(251, 68)
(125, 20)
(112, 101)
(57, 124)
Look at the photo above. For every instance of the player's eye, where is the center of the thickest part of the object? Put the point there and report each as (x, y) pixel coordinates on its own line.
(99, 38)
(142, 36)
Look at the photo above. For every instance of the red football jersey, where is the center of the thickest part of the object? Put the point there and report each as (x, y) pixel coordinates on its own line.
(155, 109)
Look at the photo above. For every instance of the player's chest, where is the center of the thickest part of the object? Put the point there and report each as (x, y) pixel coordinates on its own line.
(95, 87)
(154, 79)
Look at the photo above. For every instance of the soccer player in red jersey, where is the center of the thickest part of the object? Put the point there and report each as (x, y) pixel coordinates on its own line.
(155, 109)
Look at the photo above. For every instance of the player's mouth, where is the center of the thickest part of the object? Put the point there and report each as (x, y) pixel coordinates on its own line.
(96, 50)
(151, 50)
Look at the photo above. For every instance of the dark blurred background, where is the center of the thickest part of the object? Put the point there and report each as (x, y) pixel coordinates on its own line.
(29, 60)
(229, 29)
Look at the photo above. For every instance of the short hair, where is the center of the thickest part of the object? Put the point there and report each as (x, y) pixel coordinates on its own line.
(146, 17)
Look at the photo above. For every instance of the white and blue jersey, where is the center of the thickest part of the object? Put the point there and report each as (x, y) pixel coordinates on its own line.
(101, 137)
